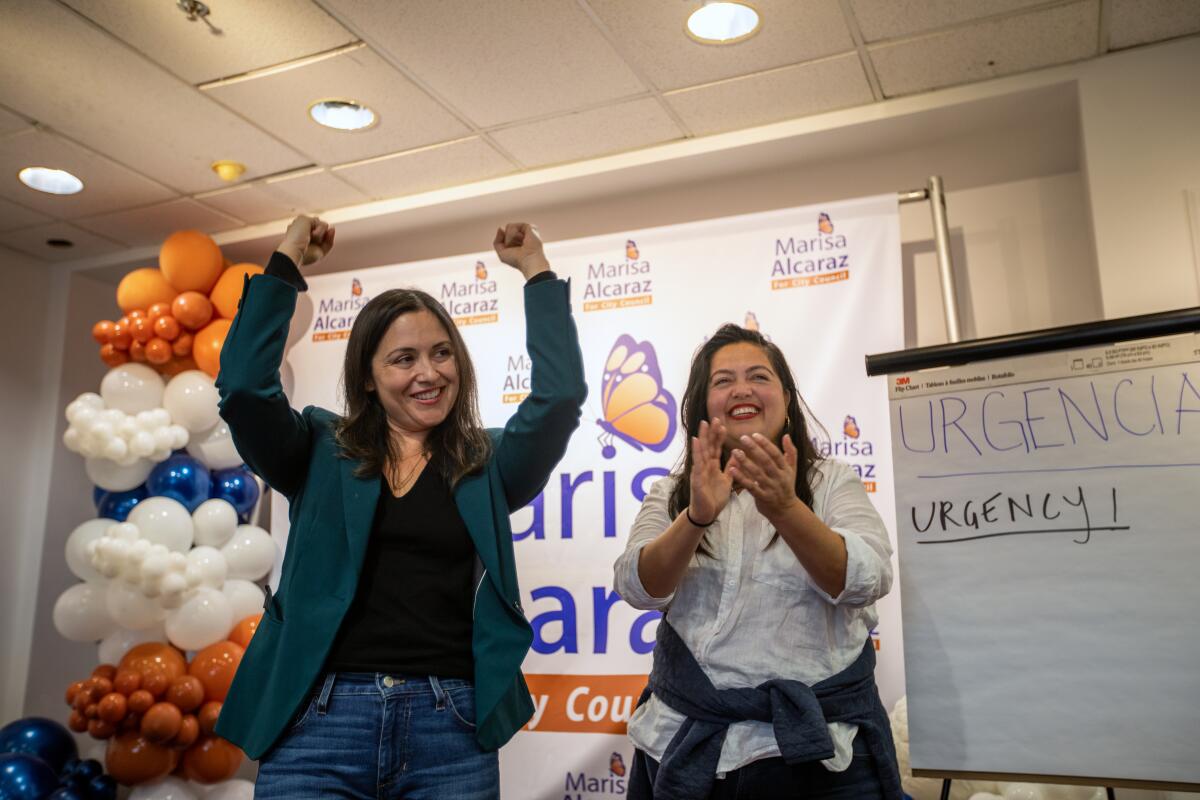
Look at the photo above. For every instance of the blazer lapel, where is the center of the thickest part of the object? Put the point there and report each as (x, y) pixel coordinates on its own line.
(360, 496)
(475, 505)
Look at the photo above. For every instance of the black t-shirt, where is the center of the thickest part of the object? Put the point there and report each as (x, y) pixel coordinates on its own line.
(412, 611)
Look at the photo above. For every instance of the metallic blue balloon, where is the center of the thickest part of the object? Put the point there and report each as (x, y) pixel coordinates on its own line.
(89, 769)
(98, 496)
(25, 777)
(102, 787)
(41, 738)
(69, 793)
(117, 505)
(181, 478)
(237, 486)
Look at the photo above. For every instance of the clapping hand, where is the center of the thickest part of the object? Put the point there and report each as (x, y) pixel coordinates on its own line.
(768, 473)
(710, 485)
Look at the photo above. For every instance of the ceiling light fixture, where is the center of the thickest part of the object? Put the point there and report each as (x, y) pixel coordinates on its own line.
(718, 22)
(228, 171)
(50, 181)
(342, 115)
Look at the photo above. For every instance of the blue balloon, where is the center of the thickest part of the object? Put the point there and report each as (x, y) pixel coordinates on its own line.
(102, 787)
(237, 486)
(117, 505)
(89, 769)
(181, 478)
(69, 768)
(25, 777)
(98, 496)
(41, 738)
(69, 793)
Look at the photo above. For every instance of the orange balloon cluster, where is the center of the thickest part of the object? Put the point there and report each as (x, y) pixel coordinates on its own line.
(158, 712)
(176, 316)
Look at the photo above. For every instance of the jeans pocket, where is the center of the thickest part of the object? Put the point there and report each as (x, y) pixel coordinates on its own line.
(302, 714)
(461, 702)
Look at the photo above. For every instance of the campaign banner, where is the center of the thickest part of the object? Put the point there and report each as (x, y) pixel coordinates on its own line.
(823, 282)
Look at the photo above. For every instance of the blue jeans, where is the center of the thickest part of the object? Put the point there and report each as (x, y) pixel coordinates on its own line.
(367, 735)
(774, 779)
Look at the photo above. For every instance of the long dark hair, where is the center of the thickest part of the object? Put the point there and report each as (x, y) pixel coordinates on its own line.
(461, 444)
(694, 408)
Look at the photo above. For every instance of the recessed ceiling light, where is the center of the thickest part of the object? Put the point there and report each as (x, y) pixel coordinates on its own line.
(342, 115)
(50, 181)
(228, 171)
(723, 23)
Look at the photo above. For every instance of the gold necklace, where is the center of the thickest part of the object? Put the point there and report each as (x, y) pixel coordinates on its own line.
(402, 484)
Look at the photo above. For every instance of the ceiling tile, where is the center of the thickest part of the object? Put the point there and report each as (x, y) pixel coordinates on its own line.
(11, 123)
(408, 117)
(498, 62)
(151, 225)
(252, 35)
(652, 36)
(1142, 21)
(772, 96)
(423, 170)
(266, 201)
(80, 81)
(13, 216)
(106, 186)
(891, 19)
(988, 49)
(33, 242)
(587, 134)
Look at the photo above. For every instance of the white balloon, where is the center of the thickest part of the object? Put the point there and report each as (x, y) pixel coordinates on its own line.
(215, 521)
(210, 564)
(191, 400)
(985, 796)
(214, 447)
(233, 789)
(250, 553)
(164, 521)
(132, 388)
(72, 439)
(112, 477)
(245, 598)
(1023, 791)
(168, 788)
(122, 640)
(142, 444)
(132, 609)
(205, 618)
(79, 560)
(81, 614)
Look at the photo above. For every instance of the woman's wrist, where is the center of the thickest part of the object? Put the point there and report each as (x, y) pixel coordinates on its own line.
(291, 251)
(694, 522)
(534, 265)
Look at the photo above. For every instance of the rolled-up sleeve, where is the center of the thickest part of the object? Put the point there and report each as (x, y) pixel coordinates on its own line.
(850, 514)
(652, 519)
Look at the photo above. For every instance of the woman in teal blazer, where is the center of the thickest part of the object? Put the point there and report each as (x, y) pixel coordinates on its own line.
(416, 382)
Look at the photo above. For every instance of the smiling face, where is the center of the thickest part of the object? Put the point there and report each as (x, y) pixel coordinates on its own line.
(414, 372)
(746, 393)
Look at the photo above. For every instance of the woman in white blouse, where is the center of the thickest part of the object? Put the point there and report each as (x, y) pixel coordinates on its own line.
(766, 560)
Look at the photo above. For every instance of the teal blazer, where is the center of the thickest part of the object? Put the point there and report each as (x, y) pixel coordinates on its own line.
(332, 512)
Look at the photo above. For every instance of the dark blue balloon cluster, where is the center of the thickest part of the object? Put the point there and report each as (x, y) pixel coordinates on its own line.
(39, 761)
(187, 480)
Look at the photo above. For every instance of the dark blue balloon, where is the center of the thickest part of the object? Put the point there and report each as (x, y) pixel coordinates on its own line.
(69, 768)
(69, 793)
(98, 496)
(181, 478)
(89, 769)
(42, 738)
(25, 777)
(237, 486)
(117, 505)
(102, 787)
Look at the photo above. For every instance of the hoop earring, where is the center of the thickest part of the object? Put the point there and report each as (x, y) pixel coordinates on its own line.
(787, 422)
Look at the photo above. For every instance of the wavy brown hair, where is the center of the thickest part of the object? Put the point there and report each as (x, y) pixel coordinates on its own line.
(460, 442)
(694, 409)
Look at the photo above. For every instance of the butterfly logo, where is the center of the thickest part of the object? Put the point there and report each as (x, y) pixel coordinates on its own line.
(616, 765)
(751, 321)
(850, 427)
(355, 287)
(480, 271)
(636, 408)
(824, 223)
(631, 249)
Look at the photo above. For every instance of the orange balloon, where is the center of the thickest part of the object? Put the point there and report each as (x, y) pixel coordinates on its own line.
(156, 681)
(140, 701)
(127, 681)
(183, 345)
(99, 686)
(150, 655)
(186, 692)
(228, 291)
(175, 366)
(166, 327)
(192, 310)
(157, 310)
(73, 691)
(112, 356)
(113, 707)
(158, 351)
(143, 288)
(77, 722)
(131, 760)
(190, 261)
(244, 630)
(211, 760)
(207, 717)
(206, 347)
(161, 723)
(137, 351)
(102, 331)
(133, 720)
(99, 729)
(141, 329)
(108, 671)
(189, 731)
(215, 666)
(120, 335)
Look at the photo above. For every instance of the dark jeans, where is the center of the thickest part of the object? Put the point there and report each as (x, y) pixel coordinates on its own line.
(774, 779)
(366, 735)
